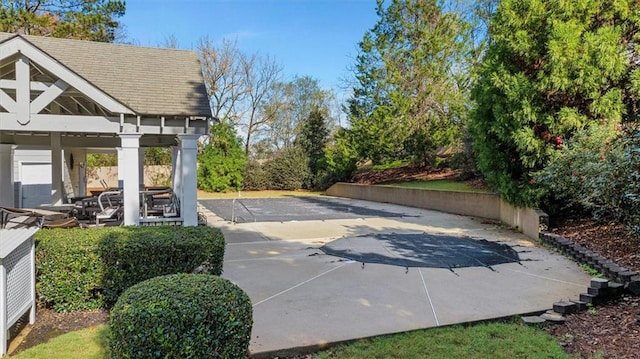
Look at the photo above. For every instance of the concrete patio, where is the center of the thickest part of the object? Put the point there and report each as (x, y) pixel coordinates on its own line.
(304, 299)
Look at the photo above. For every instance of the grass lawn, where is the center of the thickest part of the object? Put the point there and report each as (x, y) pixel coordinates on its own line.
(492, 340)
(447, 185)
(89, 343)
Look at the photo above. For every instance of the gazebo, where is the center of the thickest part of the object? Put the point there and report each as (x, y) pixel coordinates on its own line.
(77, 96)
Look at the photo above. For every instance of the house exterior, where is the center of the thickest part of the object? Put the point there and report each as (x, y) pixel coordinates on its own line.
(61, 99)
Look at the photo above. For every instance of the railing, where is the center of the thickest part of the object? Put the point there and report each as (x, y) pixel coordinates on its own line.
(234, 218)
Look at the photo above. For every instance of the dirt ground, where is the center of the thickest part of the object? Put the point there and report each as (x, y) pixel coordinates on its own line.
(608, 331)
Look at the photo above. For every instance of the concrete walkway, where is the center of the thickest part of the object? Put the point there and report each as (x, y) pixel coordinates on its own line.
(305, 298)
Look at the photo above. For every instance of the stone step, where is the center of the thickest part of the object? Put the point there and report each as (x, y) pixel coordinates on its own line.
(626, 276)
(597, 291)
(589, 298)
(580, 305)
(565, 307)
(533, 320)
(614, 289)
(634, 285)
(553, 317)
(599, 283)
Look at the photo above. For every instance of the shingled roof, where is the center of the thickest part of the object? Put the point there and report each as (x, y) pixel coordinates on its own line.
(149, 81)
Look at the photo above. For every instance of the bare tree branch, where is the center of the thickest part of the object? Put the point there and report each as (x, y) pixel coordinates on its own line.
(260, 74)
(222, 69)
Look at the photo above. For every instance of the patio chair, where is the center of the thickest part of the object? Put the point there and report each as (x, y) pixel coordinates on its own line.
(17, 218)
(110, 207)
(71, 222)
(28, 217)
(172, 209)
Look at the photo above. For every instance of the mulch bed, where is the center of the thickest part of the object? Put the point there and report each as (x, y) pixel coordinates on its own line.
(611, 330)
(610, 240)
(607, 331)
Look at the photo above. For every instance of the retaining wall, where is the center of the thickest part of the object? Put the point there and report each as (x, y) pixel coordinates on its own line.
(477, 204)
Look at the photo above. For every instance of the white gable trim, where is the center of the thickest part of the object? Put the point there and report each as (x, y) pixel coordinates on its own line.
(35, 85)
(7, 102)
(18, 44)
(46, 97)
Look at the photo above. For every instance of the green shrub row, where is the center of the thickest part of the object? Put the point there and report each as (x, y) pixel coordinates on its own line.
(80, 269)
(289, 170)
(181, 316)
(598, 172)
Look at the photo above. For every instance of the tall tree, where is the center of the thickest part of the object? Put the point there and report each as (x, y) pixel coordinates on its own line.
(261, 75)
(222, 67)
(295, 102)
(313, 140)
(410, 96)
(551, 68)
(79, 19)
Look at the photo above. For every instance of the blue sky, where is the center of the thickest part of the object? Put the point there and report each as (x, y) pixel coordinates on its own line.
(316, 38)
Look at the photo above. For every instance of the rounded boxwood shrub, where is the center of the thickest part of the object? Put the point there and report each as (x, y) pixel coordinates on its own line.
(181, 316)
(148, 252)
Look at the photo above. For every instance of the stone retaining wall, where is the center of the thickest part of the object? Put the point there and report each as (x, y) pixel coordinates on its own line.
(629, 279)
(477, 204)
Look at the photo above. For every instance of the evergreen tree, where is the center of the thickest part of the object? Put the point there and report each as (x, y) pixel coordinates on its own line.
(77, 19)
(409, 97)
(222, 161)
(552, 67)
(313, 140)
(340, 159)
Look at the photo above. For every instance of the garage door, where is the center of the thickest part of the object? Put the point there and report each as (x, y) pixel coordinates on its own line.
(36, 184)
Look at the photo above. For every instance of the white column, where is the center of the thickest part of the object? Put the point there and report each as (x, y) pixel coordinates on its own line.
(6, 176)
(189, 200)
(56, 170)
(176, 171)
(128, 163)
(141, 167)
(121, 169)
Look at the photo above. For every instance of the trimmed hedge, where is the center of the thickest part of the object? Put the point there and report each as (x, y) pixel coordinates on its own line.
(68, 269)
(181, 316)
(80, 269)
